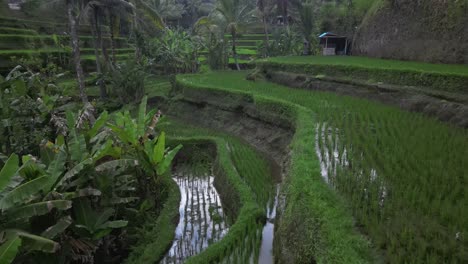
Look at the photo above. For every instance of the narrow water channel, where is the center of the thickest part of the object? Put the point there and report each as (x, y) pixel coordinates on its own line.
(202, 221)
(266, 249)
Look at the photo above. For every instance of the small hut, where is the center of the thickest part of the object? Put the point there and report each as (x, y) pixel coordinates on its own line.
(333, 44)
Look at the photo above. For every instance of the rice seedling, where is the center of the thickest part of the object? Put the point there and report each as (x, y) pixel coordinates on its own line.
(402, 174)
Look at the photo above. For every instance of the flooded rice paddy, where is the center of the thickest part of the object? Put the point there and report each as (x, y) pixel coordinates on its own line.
(202, 221)
(342, 167)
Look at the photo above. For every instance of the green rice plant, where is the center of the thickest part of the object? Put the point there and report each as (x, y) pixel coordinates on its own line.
(251, 180)
(440, 77)
(402, 179)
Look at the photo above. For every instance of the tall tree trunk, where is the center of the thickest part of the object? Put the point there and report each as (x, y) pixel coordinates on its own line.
(265, 31)
(138, 52)
(234, 51)
(283, 10)
(261, 7)
(112, 38)
(76, 52)
(96, 38)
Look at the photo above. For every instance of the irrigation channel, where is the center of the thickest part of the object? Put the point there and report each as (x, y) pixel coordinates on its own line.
(203, 222)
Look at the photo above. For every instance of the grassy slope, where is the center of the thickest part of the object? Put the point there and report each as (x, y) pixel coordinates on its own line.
(422, 163)
(371, 63)
(439, 77)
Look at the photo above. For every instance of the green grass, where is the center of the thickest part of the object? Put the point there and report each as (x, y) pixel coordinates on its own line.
(243, 51)
(231, 60)
(29, 52)
(17, 31)
(31, 41)
(250, 37)
(419, 162)
(372, 63)
(440, 77)
(247, 47)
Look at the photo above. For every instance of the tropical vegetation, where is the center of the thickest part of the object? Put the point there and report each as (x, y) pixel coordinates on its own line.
(130, 129)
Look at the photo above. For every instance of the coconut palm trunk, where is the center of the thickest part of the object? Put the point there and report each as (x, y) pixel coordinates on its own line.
(76, 51)
(234, 51)
(261, 7)
(112, 22)
(96, 40)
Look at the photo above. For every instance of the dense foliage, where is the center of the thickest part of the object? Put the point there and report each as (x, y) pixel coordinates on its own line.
(76, 196)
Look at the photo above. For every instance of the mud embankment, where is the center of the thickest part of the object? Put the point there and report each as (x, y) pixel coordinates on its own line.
(447, 107)
(237, 115)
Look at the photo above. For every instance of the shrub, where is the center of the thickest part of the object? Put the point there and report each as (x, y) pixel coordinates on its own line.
(128, 81)
(176, 51)
(283, 42)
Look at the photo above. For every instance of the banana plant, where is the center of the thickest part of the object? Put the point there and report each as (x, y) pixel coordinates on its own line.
(61, 180)
(146, 147)
(19, 202)
(94, 224)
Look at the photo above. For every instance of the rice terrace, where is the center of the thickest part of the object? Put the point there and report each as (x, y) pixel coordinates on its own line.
(233, 131)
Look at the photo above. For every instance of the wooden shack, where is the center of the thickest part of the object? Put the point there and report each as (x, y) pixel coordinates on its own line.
(332, 44)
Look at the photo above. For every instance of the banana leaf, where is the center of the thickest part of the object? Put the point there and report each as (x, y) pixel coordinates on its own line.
(74, 171)
(150, 14)
(36, 209)
(141, 117)
(56, 168)
(24, 192)
(100, 122)
(158, 152)
(116, 166)
(39, 243)
(9, 249)
(58, 228)
(166, 162)
(8, 171)
(77, 146)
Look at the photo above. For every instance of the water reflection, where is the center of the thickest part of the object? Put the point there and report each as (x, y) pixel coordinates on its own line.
(335, 158)
(202, 220)
(266, 249)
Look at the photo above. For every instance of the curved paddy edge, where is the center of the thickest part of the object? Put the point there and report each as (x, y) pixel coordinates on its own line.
(329, 234)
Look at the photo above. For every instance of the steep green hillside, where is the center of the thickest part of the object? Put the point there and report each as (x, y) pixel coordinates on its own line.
(48, 42)
(427, 30)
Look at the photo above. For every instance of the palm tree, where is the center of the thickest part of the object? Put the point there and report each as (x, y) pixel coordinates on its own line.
(265, 8)
(306, 12)
(97, 11)
(283, 9)
(95, 15)
(234, 14)
(73, 8)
